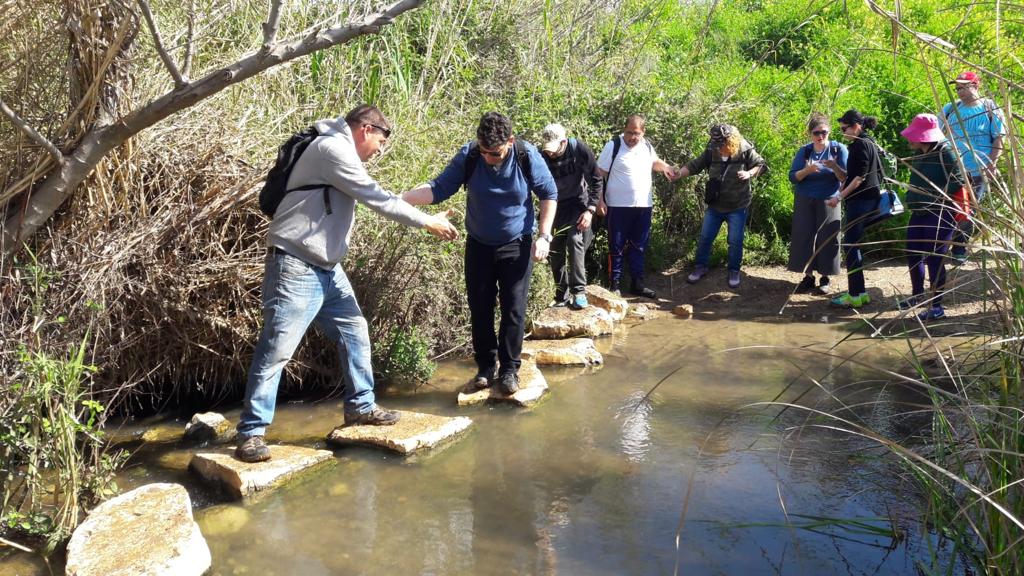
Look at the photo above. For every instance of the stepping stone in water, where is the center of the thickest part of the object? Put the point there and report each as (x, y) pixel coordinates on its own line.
(413, 432)
(562, 322)
(209, 427)
(242, 480)
(616, 306)
(683, 311)
(532, 386)
(148, 531)
(571, 351)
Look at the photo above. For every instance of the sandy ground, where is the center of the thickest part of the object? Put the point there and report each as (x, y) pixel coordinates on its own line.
(766, 293)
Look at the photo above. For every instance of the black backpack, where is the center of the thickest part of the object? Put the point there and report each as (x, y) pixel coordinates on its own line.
(473, 157)
(276, 185)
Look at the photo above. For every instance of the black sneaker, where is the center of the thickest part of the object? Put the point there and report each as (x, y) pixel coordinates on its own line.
(614, 287)
(638, 290)
(253, 449)
(482, 380)
(377, 416)
(805, 285)
(508, 383)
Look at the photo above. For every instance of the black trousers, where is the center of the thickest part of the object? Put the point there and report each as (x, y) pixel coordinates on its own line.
(502, 272)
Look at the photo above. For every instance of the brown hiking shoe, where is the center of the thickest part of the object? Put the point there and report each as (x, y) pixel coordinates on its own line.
(253, 449)
(377, 416)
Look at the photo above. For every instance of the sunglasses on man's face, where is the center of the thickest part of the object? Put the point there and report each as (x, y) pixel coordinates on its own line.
(492, 153)
(820, 132)
(386, 132)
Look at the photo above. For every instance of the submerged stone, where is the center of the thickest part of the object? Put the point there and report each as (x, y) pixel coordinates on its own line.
(563, 322)
(683, 311)
(162, 433)
(571, 351)
(413, 432)
(148, 531)
(209, 427)
(532, 386)
(616, 306)
(223, 520)
(244, 480)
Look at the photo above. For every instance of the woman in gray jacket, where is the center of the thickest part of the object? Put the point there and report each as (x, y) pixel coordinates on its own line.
(731, 163)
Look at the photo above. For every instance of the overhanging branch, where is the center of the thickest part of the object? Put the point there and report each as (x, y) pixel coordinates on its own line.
(100, 140)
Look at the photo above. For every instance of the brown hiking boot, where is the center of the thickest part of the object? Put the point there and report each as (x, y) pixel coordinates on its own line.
(377, 416)
(253, 449)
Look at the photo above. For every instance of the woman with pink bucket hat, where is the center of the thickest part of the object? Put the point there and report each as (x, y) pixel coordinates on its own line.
(935, 178)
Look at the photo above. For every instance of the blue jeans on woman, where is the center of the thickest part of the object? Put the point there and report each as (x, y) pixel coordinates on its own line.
(294, 295)
(737, 222)
(853, 232)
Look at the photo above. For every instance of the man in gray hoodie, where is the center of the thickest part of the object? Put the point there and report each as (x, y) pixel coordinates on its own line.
(304, 281)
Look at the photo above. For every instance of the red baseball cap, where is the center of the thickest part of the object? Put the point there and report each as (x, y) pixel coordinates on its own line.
(967, 77)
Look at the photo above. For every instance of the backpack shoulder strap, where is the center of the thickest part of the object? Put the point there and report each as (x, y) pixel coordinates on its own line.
(523, 158)
(616, 145)
(807, 151)
(472, 158)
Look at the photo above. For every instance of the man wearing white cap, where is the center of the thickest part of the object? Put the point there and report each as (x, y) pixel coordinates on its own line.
(574, 168)
(976, 126)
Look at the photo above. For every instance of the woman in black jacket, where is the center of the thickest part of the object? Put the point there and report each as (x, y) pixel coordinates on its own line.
(859, 195)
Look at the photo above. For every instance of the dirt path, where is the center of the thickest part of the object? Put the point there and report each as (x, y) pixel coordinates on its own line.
(766, 293)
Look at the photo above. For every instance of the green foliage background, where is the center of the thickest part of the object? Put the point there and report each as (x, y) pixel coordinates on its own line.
(761, 65)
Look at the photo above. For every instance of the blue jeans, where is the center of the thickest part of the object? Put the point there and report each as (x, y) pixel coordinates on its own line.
(853, 232)
(629, 231)
(737, 221)
(294, 294)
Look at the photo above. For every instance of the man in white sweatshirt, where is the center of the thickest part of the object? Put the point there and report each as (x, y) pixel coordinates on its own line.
(304, 280)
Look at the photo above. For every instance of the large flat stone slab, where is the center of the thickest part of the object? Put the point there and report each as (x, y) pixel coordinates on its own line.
(146, 532)
(415, 431)
(532, 386)
(565, 352)
(615, 305)
(242, 480)
(562, 322)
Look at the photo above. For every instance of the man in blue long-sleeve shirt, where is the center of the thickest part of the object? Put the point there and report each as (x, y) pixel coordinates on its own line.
(499, 239)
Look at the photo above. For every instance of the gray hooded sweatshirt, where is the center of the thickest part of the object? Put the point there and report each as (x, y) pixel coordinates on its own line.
(303, 228)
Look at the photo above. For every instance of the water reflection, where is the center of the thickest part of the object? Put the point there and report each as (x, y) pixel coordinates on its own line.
(593, 481)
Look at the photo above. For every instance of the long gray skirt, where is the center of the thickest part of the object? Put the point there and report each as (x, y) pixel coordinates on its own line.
(814, 237)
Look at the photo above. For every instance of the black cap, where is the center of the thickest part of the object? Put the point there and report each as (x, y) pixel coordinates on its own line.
(720, 134)
(851, 117)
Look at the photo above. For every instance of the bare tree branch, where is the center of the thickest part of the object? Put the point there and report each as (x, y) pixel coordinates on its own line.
(270, 26)
(190, 38)
(179, 80)
(31, 133)
(62, 182)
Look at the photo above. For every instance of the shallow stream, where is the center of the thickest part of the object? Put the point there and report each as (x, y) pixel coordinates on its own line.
(595, 480)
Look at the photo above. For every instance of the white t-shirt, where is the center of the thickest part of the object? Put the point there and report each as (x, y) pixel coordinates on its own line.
(630, 181)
